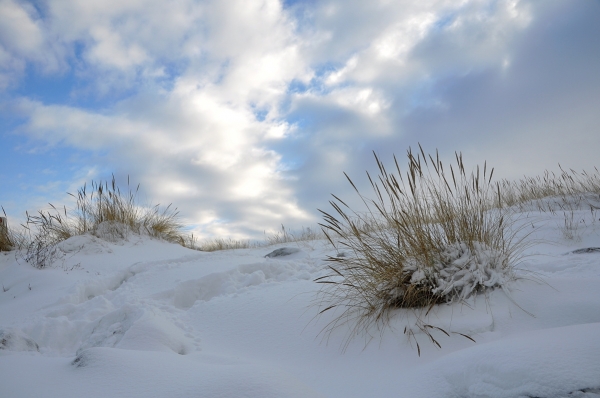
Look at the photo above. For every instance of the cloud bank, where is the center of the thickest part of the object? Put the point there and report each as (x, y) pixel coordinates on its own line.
(245, 114)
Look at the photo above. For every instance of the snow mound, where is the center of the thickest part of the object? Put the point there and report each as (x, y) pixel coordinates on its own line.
(111, 231)
(234, 281)
(84, 244)
(546, 363)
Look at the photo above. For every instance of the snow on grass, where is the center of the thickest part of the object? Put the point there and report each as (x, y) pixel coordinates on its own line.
(146, 318)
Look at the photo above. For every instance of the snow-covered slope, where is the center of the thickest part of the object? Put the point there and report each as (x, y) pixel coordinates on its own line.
(144, 318)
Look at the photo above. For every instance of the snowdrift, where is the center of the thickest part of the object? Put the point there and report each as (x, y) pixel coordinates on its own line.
(145, 318)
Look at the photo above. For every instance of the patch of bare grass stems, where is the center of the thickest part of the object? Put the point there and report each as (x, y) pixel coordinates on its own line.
(281, 236)
(429, 236)
(565, 193)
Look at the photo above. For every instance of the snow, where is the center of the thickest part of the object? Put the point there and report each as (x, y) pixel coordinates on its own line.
(139, 317)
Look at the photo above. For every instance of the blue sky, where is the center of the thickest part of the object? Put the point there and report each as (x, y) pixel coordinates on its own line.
(245, 114)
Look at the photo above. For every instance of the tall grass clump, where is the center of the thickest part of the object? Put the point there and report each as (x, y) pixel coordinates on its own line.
(102, 210)
(11, 238)
(428, 236)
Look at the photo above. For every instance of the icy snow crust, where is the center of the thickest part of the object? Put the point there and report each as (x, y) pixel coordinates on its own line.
(144, 318)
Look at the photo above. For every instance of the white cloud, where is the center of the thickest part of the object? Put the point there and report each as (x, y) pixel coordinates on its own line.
(23, 39)
(19, 30)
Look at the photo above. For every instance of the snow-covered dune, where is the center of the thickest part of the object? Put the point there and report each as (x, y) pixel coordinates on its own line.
(145, 318)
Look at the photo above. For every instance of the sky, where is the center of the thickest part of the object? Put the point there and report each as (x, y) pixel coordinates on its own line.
(245, 114)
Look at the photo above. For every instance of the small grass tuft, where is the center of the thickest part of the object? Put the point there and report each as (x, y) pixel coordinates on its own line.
(286, 236)
(11, 238)
(6, 243)
(224, 244)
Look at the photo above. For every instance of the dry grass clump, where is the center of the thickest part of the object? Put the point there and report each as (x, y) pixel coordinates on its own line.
(223, 244)
(104, 211)
(429, 236)
(11, 238)
(287, 236)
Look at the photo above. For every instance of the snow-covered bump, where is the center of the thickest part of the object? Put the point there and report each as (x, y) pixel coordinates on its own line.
(13, 340)
(587, 250)
(87, 290)
(156, 331)
(108, 331)
(84, 244)
(284, 251)
(134, 328)
(82, 359)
